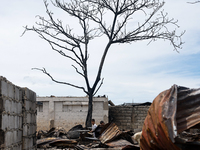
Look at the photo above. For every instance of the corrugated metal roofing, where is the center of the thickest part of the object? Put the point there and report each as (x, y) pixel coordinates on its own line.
(171, 112)
(110, 132)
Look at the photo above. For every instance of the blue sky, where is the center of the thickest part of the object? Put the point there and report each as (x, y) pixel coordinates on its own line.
(133, 72)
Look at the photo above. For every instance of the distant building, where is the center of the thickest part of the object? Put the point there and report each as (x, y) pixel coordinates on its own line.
(67, 112)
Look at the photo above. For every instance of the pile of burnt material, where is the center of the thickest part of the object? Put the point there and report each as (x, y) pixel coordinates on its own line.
(58, 137)
(108, 136)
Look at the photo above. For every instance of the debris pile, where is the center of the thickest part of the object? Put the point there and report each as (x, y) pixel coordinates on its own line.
(55, 137)
(78, 138)
(172, 123)
(53, 132)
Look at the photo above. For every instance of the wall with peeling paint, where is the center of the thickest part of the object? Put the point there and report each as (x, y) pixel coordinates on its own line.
(67, 112)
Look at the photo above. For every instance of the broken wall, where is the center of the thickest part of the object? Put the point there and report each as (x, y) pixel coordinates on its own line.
(29, 119)
(12, 117)
(128, 117)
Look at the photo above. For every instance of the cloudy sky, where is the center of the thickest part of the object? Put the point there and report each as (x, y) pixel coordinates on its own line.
(134, 72)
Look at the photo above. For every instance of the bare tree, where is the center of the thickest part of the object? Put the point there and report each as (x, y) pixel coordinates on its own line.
(91, 16)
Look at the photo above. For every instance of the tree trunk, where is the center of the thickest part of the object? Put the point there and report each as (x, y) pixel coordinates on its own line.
(89, 114)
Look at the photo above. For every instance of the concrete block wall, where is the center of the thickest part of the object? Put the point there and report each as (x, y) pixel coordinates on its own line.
(29, 119)
(139, 115)
(128, 117)
(121, 116)
(11, 116)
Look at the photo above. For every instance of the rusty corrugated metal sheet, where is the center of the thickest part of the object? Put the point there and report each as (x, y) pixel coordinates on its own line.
(171, 112)
(109, 133)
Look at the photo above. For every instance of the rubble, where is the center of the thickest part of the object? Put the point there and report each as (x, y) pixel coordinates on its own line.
(55, 137)
(74, 133)
(172, 123)
(55, 142)
(53, 132)
(109, 136)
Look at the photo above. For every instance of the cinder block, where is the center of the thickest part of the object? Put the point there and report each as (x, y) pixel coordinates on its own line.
(29, 118)
(14, 137)
(24, 117)
(19, 135)
(5, 122)
(7, 104)
(11, 122)
(17, 93)
(3, 87)
(8, 138)
(11, 90)
(12, 107)
(25, 130)
(18, 108)
(25, 93)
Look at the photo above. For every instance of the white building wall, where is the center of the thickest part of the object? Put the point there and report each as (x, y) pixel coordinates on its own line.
(67, 112)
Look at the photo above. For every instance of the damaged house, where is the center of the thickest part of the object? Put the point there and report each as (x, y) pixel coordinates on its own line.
(67, 112)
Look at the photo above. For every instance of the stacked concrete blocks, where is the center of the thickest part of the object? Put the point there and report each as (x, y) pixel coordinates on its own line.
(121, 116)
(139, 115)
(128, 117)
(17, 117)
(10, 116)
(29, 119)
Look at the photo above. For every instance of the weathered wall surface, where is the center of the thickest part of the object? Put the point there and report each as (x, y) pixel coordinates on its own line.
(128, 117)
(12, 117)
(67, 112)
(29, 119)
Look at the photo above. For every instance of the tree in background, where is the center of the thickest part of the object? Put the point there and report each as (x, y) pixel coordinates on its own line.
(102, 18)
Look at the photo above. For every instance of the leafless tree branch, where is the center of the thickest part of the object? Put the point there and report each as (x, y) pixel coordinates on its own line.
(60, 82)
